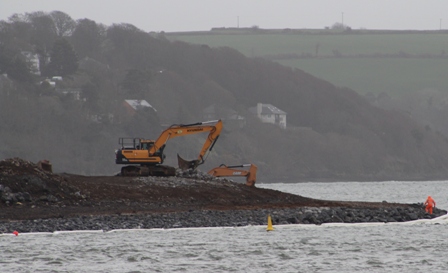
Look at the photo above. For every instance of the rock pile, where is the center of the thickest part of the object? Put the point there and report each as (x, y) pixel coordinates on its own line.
(23, 181)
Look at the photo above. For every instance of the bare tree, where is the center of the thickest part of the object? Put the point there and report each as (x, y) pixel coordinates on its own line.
(44, 31)
(87, 38)
(63, 23)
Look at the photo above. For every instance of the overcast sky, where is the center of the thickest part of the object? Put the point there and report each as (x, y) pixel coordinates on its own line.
(193, 15)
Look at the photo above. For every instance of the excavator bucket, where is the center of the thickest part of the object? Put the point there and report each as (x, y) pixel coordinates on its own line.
(185, 164)
(250, 183)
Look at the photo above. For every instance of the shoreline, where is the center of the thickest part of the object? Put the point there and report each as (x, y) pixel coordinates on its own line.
(35, 200)
(223, 218)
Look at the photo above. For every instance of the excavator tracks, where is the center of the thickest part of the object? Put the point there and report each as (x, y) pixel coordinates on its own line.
(159, 170)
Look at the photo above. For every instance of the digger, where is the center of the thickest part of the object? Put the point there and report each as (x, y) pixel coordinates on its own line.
(250, 174)
(144, 157)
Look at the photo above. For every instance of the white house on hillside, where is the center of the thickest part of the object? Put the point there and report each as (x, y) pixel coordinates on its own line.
(33, 60)
(133, 106)
(268, 113)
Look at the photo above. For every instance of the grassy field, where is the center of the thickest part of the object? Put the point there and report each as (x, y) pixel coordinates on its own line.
(392, 75)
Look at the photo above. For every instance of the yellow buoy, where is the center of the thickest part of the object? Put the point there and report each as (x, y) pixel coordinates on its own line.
(269, 228)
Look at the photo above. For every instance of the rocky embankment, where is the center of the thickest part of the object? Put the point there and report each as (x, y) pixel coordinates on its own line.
(228, 218)
(34, 200)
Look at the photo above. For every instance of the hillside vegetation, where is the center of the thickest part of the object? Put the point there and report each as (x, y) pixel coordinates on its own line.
(332, 133)
(393, 69)
(363, 60)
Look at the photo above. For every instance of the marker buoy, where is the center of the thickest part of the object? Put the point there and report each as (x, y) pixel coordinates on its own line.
(15, 232)
(269, 228)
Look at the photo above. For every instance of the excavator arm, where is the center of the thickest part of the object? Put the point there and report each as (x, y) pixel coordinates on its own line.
(188, 129)
(214, 132)
(223, 170)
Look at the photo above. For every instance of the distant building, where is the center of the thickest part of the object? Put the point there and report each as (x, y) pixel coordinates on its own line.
(56, 78)
(268, 113)
(132, 106)
(74, 92)
(33, 60)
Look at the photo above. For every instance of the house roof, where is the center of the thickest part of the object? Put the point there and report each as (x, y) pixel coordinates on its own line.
(267, 109)
(139, 104)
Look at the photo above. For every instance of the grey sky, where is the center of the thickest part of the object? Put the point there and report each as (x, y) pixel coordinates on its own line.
(189, 15)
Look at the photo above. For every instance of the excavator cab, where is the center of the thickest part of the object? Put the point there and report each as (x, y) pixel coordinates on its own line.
(137, 149)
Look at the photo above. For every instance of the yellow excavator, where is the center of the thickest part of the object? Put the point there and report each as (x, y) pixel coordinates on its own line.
(145, 157)
(250, 174)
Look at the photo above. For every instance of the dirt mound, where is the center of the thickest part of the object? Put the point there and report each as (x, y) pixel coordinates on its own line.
(28, 192)
(23, 181)
(17, 166)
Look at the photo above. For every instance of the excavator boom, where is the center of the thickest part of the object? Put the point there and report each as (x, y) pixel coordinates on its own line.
(227, 171)
(214, 128)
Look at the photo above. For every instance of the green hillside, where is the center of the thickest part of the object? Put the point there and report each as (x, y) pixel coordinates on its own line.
(366, 61)
(394, 76)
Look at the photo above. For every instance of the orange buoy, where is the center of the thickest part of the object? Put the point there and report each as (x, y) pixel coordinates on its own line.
(15, 232)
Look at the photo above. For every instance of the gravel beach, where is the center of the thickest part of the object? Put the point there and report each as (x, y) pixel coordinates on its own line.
(34, 200)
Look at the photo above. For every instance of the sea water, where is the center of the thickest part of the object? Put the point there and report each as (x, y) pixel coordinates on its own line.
(393, 247)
